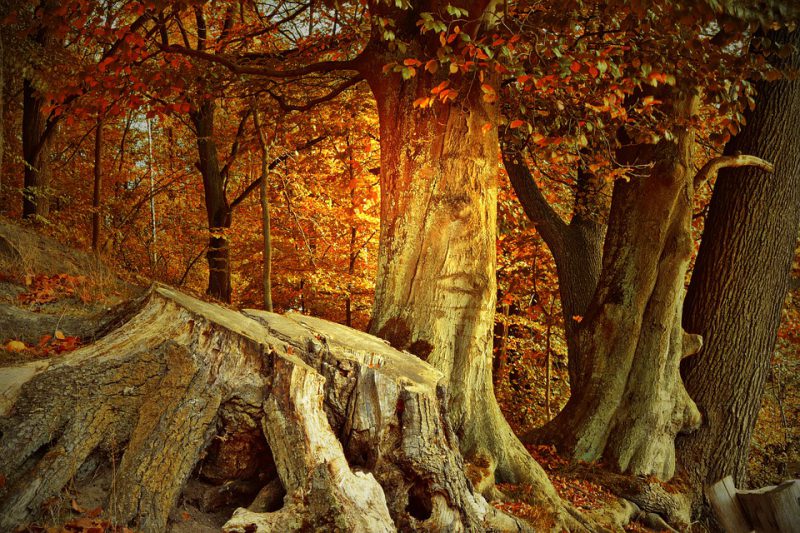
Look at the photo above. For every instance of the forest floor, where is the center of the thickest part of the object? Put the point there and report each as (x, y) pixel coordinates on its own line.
(53, 299)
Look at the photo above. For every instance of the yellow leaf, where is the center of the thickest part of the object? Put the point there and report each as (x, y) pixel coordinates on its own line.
(15, 346)
(59, 335)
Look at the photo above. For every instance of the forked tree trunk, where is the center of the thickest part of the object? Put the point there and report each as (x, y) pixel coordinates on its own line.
(35, 200)
(740, 281)
(577, 247)
(633, 402)
(358, 431)
(435, 288)
(218, 211)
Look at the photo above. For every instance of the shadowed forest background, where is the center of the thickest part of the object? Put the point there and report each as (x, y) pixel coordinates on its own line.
(523, 195)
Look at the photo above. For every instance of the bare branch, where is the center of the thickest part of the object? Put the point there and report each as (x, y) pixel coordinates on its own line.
(311, 103)
(275, 162)
(711, 168)
(235, 146)
(322, 66)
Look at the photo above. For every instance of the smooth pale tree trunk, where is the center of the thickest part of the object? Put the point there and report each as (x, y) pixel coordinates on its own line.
(265, 228)
(632, 402)
(218, 211)
(98, 183)
(435, 289)
(265, 217)
(740, 281)
(35, 201)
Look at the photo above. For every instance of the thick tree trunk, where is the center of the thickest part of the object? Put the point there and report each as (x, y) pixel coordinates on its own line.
(217, 209)
(358, 431)
(739, 283)
(435, 288)
(35, 200)
(633, 402)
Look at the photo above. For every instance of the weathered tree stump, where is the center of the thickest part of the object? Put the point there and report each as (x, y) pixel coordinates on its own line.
(358, 431)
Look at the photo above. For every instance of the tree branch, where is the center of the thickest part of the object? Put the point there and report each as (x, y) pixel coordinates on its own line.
(311, 103)
(235, 145)
(233, 66)
(275, 162)
(711, 168)
(549, 225)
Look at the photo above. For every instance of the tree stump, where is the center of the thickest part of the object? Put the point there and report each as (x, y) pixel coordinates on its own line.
(358, 430)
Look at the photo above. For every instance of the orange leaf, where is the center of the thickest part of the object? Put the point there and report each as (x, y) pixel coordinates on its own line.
(94, 513)
(575, 66)
(516, 123)
(77, 508)
(421, 102)
(577, 318)
(486, 127)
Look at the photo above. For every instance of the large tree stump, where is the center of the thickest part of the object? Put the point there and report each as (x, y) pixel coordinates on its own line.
(358, 431)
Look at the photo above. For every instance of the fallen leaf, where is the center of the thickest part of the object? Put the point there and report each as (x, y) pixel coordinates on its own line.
(93, 513)
(186, 516)
(59, 335)
(77, 508)
(15, 346)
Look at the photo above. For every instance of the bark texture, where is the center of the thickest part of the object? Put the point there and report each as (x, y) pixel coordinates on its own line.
(740, 281)
(633, 402)
(358, 431)
(35, 200)
(218, 211)
(435, 289)
(577, 246)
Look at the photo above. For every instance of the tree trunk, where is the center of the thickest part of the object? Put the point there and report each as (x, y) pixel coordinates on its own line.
(435, 288)
(98, 183)
(2, 109)
(217, 209)
(358, 430)
(740, 281)
(577, 247)
(265, 218)
(35, 201)
(267, 237)
(633, 402)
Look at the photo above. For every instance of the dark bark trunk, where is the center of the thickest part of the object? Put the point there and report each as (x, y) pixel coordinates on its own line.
(98, 184)
(2, 109)
(739, 283)
(217, 209)
(35, 201)
(577, 247)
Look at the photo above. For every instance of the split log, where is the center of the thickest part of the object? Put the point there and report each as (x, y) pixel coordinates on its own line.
(358, 431)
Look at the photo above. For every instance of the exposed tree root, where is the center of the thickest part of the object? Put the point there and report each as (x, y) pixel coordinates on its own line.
(358, 431)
